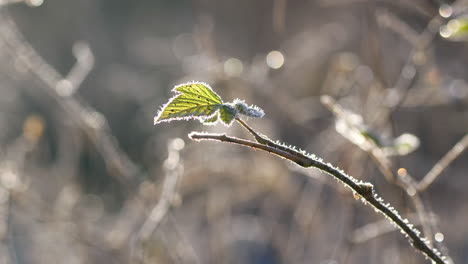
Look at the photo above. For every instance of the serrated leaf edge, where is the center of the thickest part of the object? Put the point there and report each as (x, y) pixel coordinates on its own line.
(177, 93)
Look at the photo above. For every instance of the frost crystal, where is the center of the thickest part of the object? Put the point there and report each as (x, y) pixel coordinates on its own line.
(250, 111)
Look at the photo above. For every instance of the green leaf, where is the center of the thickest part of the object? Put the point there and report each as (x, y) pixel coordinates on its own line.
(210, 120)
(227, 113)
(194, 100)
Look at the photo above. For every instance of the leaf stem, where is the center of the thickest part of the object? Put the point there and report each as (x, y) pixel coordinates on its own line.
(262, 139)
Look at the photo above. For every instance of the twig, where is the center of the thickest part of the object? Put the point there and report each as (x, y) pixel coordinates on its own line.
(84, 64)
(93, 123)
(403, 179)
(443, 163)
(262, 139)
(184, 249)
(364, 189)
(421, 10)
(279, 16)
(11, 184)
(409, 70)
(7, 245)
(392, 22)
(158, 213)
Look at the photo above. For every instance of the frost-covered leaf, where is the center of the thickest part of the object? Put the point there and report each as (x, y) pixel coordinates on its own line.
(210, 120)
(250, 111)
(227, 113)
(193, 100)
(196, 100)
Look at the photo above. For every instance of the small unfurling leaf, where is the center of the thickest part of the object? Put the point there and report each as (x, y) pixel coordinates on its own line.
(250, 111)
(210, 120)
(196, 100)
(193, 100)
(227, 113)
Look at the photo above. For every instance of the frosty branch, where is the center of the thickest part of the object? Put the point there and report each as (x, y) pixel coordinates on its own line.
(197, 100)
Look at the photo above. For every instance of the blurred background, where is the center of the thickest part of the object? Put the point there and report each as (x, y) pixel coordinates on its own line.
(85, 177)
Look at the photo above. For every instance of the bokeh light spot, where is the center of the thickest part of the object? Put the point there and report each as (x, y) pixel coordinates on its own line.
(439, 237)
(233, 67)
(177, 144)
(64, 88)
(402, 172)
(445, 11)
(33, 127)
(275, 59)
(35, 2)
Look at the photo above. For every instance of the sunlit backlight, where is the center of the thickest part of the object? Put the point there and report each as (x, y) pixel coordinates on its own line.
(64, 88)
(233, 67)
(445, 11)
(445, 32)
(177, 144)
(94, 120)
(33, 128)
(402, 172)
(439, 237)
(449, 30)
(356, 196)
(348, 61)
(419, 58)
(275, 59)
(35, 2)
(9, 179)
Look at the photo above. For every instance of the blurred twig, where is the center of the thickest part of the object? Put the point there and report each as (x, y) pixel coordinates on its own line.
(443, 163)
(11, 183)
(376, 229)
(93, 123)
(417, 56)
(174, 168)
(279, 16)
(416, 59)
(184, 250)
(84, 64)
(8, 253)
(421, 9)
(373, 146)
(28, 2)
(388, 20)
